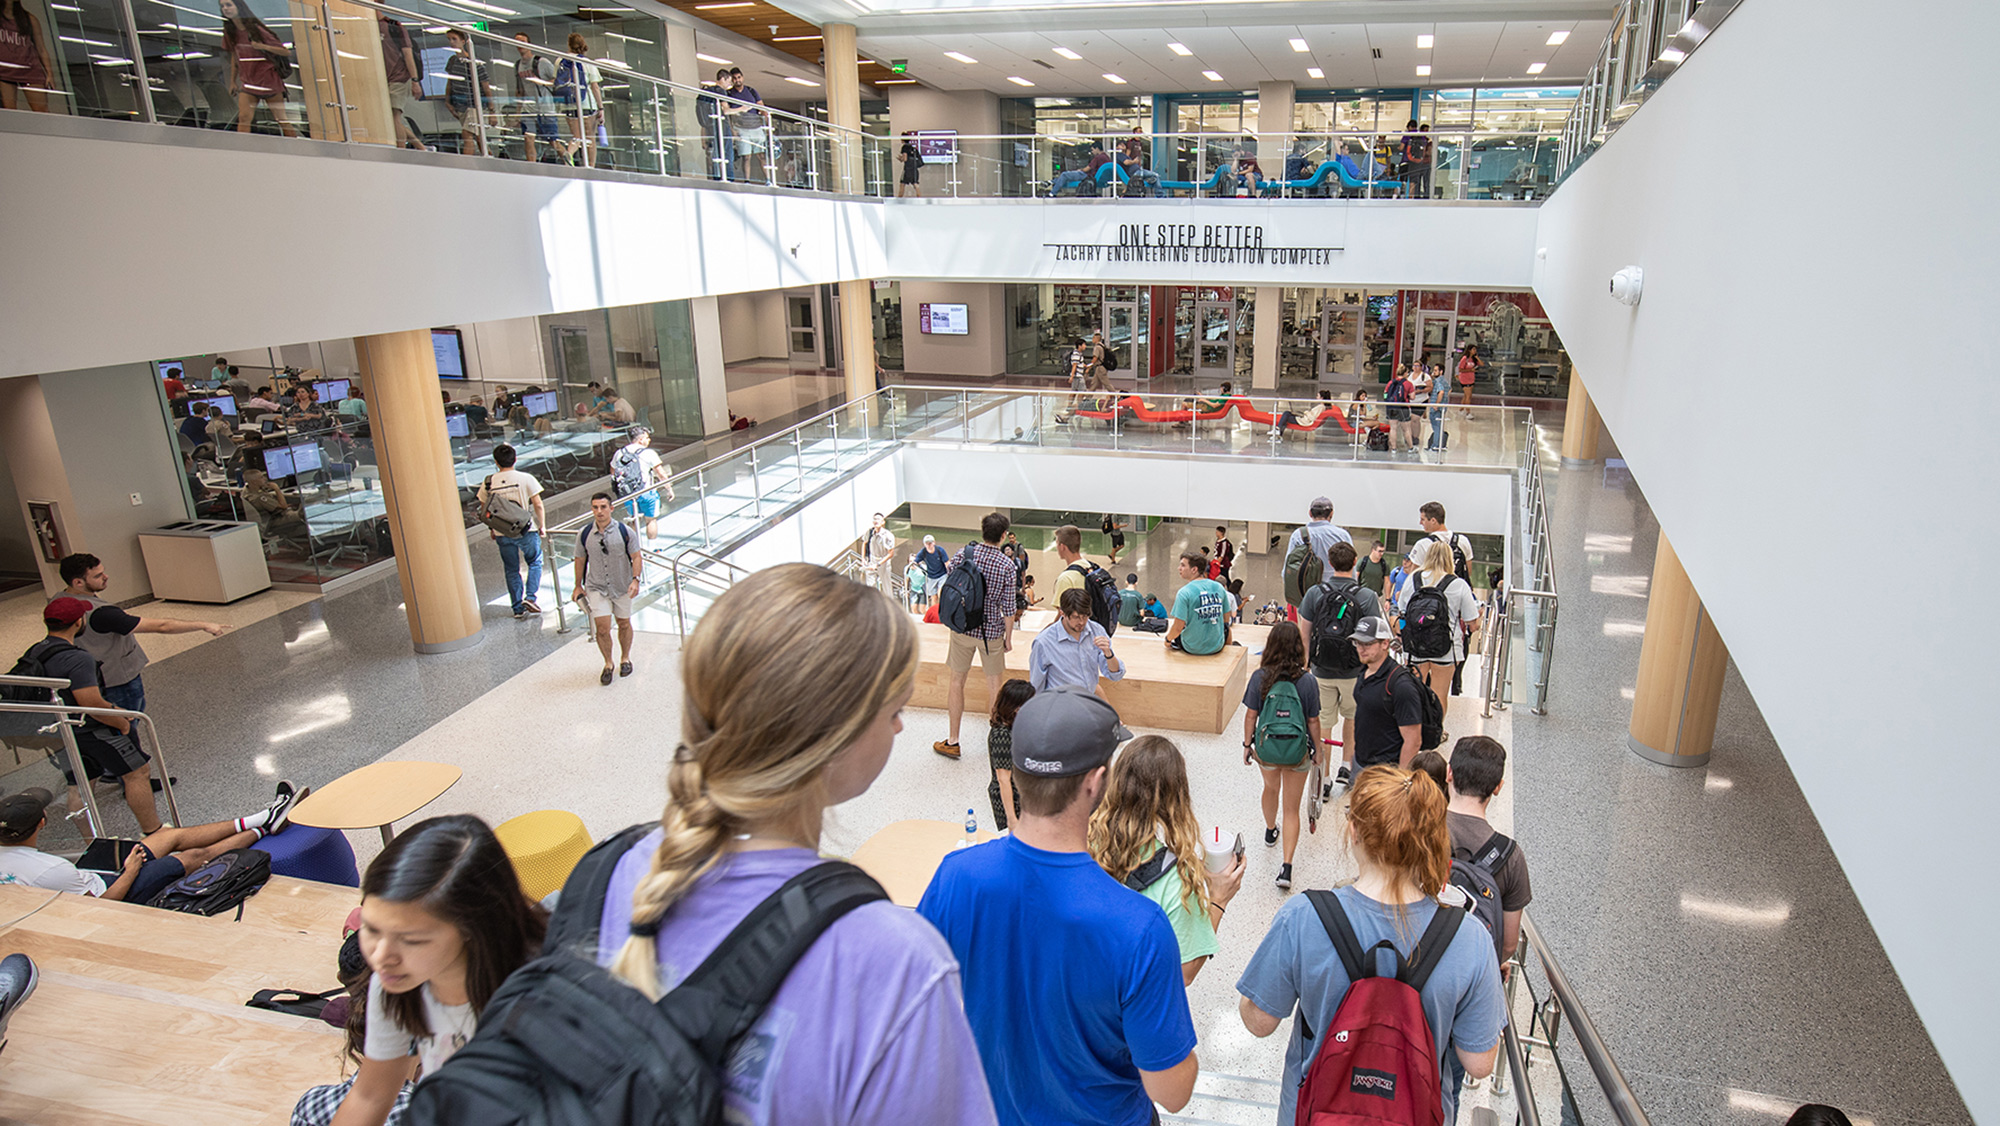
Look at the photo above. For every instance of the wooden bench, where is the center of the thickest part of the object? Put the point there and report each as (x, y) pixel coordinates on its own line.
(1161, 689)
(139, 1017)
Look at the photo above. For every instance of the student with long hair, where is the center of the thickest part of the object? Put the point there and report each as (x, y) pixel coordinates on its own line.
(777, 724)
(1284, 785)
(27, 62)
(255, 53)
(1000, 750)
(1435, 570)
(1396, 832)
(443, 922)
(1148, 811)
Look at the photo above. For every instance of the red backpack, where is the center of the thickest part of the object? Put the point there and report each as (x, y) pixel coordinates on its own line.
(1378, 1062)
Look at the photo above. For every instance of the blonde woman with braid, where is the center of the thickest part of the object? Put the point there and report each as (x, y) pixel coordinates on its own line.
(777, 724)
(1145, 835)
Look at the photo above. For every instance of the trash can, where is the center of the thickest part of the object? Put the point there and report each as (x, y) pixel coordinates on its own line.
(205, 560)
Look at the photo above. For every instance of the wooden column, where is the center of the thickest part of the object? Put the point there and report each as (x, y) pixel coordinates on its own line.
(1680, 671)
(843, 110)
(1581, 425)
(426, 521)
(1264, 332)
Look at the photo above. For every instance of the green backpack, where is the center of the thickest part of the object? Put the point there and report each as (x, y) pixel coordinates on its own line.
(1303, 570)
(1282, 738)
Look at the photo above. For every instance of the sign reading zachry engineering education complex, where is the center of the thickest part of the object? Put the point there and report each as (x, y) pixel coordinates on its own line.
(1199, 243)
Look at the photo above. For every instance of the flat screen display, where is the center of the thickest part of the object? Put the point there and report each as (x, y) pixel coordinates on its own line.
(450, 348)
(305, 456)
(539, 404)
(278, 463)
(268, 424)
(458, 426)
(937, 146)
(946, 320)
(226, 402)
(330, 390)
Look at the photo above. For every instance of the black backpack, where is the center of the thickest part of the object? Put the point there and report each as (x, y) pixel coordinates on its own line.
(218, 885)
(1427, 623)
(1333, 625)
(1476, 873)
(34, 662)
(1460, 564)
(1433, 722)
(564, 1043)
(1103, 590)
(627, 477)
(1378, 440)
(962, 599)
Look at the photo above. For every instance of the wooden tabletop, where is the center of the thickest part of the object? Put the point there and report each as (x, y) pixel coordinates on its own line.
(904, 856)
(375, 795)
(139, 1014)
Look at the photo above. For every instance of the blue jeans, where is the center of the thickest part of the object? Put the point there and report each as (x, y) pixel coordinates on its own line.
(1068, 179)
(512, 550)
(1437, 428)
(131, 695)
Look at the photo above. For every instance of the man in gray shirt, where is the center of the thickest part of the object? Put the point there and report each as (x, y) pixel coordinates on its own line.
(609, 565)
(111, 634)
(1343, 601)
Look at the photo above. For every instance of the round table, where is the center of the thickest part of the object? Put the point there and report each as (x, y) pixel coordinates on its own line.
(375, 796)
(904, 856)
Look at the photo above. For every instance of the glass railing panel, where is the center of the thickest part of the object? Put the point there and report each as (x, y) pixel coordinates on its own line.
(731, 496)
(81, 62)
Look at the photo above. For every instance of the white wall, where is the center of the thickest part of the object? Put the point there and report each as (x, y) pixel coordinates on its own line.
(981, 353)
(1384, 243)
(1856, 305)
(753, 326)
(361, 242)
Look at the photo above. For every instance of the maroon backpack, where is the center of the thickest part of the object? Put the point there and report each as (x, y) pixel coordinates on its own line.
(1377, 1063)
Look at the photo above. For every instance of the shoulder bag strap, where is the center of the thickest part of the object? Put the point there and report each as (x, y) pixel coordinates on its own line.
(738, 980)
(1431, 947)
(574, 925)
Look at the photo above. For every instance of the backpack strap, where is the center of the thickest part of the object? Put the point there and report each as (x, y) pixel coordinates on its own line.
(581, 907)
(738, 980)
(1495, 851)
(1142, 877)
(1333, 917)
(1431, 947)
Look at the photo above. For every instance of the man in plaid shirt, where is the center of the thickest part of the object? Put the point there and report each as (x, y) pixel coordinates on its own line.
(995, 635)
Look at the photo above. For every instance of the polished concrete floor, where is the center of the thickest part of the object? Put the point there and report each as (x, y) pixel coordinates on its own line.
(1700, 913)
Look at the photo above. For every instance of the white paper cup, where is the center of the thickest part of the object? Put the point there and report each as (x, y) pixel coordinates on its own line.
(1220, 849)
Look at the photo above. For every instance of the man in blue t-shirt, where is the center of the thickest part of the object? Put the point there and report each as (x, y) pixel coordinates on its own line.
(1200, 621)
(1072, 980)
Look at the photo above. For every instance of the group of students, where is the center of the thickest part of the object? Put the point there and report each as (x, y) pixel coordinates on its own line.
(1042, 977)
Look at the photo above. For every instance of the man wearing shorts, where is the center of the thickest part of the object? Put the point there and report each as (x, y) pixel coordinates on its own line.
(608, 569)
(993, 637)
(152, 866)
(1335, 664)
(399, 67)
(652, 478)
(106, 745)
(534, 101)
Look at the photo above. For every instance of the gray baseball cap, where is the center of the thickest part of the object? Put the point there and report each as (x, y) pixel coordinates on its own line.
(1065, 731)
(1370, 629)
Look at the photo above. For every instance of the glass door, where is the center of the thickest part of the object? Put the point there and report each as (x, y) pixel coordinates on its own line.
(1434, 335)
(1125, 334)
(801, 333)
(572, 353)
(1215, 339)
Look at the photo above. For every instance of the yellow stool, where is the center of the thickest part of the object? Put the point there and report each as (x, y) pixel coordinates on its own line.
(544, 846)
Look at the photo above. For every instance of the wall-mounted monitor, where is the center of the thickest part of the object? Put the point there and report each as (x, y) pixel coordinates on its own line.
(540, 403)
(226, 402)
(278, 462)
(449, 344)
(946, 320)
(458, 426)
(937, 146)
(330, 390)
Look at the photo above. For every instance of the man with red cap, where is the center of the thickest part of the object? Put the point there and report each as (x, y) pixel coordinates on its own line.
(109, 752)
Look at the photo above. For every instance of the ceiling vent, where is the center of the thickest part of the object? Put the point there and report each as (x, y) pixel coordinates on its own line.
(1046, 65)
(1377, 52)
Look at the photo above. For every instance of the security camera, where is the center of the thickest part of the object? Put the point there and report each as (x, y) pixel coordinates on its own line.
(1626, 285)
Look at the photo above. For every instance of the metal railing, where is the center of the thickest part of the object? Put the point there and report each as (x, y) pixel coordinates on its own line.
(1647, 43)
(681, 572)
(1534, 599)
(1549, 1014)
(64, 718)
(851, 564)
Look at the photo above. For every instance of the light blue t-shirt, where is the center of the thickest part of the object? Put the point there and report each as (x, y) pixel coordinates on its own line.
(1295, 969)
(1072, 982)
(1203, 605)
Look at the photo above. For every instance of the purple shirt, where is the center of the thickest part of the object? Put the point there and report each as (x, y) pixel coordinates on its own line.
(870, 1026)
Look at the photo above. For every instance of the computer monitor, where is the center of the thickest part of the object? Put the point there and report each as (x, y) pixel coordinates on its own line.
(458, 426)
(226, 402)
(305, 456)
(330, 390)
(539, 404)
(268, 424)
(278, 463)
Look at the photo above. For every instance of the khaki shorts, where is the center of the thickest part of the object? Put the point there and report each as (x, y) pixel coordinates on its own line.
(603, 605)
(992, 654)
(1336, 697)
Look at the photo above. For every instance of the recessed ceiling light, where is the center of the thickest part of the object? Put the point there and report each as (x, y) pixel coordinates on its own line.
(800, 81)
(1114, 80)
(1179, 49)
(712, 59)
(894, 82)
(732, 4)
(1018, 80)
(960, 57)
(1300, 46)
(1536, 68)
(1424, 71)
(793, 38)
(1424, 42)
(1556, 38)
(1315, 72)
(1211, 76)
(1066, 53)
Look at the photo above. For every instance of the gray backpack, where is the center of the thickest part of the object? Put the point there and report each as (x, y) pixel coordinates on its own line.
(505, 515)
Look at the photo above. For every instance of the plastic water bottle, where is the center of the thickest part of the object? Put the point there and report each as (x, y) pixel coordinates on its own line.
(971, 826)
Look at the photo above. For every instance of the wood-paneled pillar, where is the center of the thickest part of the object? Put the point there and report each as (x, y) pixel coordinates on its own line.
(1581, 425)
(420, 488)
(843, 110)
(1680, 670)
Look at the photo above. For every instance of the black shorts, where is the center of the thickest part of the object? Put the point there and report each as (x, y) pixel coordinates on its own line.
(107, 754)
(1118, 539)
(155, 876)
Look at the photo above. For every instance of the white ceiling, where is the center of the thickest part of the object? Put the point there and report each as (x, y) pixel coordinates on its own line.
(1463, 53)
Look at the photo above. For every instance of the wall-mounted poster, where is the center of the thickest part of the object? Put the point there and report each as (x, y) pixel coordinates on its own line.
(48, 530)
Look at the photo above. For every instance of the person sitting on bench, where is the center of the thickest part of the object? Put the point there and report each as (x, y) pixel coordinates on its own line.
(164, 856)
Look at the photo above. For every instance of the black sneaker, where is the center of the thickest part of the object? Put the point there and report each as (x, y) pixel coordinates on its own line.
(1342, 777)
(1270, 838)
(281, 809)
(1285, 876)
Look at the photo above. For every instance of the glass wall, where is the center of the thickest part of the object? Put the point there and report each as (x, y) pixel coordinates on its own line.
(886, 309)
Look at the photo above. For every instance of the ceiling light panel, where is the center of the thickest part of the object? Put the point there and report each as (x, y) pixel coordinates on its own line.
(713, 59)
(1300, 46)
(1536, 68)
(1066, 53)
(733, 4)
(1179, 49)
(1018, 80)
(1426, 42)
(1424, 71)
(967, 59)
(1211, 76)
(1557, 39)
(1114, 80)
(1315, 72)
